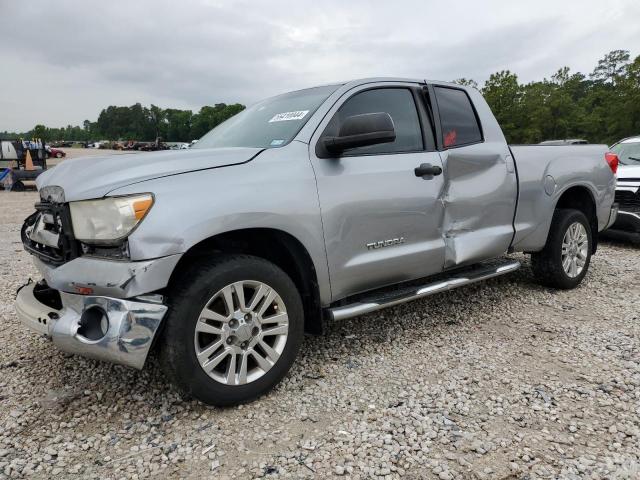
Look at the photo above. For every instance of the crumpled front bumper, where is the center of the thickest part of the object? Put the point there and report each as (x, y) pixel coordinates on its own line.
(127, 327)
(110, 278)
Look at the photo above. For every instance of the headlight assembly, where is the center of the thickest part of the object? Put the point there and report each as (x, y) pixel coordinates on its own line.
(108, 220)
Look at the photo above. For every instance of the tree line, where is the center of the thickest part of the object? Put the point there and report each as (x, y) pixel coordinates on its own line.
(139, 123)
(601, 107)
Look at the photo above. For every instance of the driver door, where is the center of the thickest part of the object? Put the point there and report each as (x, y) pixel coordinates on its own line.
(382, 223)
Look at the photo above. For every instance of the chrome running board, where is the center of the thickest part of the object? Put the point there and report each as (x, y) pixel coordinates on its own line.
(376, 301)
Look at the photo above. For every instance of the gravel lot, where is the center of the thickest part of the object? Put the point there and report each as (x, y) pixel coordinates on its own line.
(503, 379)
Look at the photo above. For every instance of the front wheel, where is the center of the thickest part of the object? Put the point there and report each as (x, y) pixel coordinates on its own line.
(564, 261)
(234, 328)
(59, 155)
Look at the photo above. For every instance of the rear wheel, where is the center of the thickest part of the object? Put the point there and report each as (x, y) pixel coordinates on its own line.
(564, 261)
(234, 328)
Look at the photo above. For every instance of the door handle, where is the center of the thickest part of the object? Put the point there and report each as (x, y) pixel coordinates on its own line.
(427, 171)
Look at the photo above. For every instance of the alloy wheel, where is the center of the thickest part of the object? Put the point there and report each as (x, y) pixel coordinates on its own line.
(575, 247)
(241, 332)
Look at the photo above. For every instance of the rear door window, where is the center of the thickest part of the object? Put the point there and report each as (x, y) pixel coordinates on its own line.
(457, 118)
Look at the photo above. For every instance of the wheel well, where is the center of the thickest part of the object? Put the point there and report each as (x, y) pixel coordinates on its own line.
(278, 247)
(580, 198)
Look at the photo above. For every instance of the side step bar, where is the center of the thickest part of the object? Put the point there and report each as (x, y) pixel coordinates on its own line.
(373, 302)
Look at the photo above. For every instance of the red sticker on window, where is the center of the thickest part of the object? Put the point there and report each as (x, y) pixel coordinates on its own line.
(450, 138)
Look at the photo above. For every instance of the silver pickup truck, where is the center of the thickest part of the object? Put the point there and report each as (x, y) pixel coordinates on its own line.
(319, 204)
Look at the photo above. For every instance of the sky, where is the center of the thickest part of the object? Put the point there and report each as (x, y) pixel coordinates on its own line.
(63, 61)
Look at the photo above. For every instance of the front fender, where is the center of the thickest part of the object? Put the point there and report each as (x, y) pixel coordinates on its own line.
(277, 190)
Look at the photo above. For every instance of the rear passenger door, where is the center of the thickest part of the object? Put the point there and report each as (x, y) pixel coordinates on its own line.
(480, 190)
(381, 222)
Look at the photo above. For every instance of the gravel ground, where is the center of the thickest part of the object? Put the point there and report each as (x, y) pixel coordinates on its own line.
(503, 379)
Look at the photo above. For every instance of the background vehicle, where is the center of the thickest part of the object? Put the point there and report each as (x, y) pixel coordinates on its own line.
(568, 141)
(63, 144)
(54, 152)
(153, 146)
(176, 145)
(324, 203)
(628, 188)
(96, 144)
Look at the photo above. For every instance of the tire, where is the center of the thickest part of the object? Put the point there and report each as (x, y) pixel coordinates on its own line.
(548, 265)
(18, 187)
(58, 155)
(205, 284)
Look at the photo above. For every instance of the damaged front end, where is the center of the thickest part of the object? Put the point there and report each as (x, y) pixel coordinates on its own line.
(96, 304)
(110, 329)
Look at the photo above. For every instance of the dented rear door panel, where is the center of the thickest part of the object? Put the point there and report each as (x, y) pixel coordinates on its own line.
(479, 199)
(481, 187)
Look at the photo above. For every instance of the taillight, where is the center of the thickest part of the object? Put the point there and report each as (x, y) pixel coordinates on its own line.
(613, 160)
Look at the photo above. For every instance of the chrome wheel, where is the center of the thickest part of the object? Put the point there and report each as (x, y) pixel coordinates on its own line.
(575, 248)
(241, 332)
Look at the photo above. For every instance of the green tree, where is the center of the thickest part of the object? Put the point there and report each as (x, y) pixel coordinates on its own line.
(503, 93)
(39, 131)
(157, 122)
(467, 82)
(210, 117)
(179, 125)
(611, 66)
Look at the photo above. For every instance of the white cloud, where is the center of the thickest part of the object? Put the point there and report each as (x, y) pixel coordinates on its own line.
(63, 61)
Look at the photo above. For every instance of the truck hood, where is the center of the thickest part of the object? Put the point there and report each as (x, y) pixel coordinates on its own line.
(94, 177)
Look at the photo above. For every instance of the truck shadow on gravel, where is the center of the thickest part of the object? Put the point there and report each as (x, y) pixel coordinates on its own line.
(425, 317)
(621, 240)
(343, 344)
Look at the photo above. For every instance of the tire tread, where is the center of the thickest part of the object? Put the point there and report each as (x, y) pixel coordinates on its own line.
(547, 264)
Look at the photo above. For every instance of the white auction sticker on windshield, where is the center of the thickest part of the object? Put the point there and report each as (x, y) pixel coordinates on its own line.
(286, 116)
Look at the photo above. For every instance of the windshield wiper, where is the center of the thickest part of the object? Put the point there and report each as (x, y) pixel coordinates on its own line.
(634, 158)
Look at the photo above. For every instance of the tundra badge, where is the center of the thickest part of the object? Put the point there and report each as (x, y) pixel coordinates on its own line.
(385, 243)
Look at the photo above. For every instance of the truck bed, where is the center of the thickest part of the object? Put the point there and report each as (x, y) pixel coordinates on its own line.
(547, 171)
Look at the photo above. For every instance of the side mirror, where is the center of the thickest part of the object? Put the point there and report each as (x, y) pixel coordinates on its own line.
(361, 131)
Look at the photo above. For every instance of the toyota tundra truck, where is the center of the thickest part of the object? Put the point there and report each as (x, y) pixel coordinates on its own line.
(315, 205)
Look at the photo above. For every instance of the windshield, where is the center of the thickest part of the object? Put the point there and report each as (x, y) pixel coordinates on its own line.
(270, 123)
(628, 153)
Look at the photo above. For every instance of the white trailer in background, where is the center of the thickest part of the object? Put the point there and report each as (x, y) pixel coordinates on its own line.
(7, 151)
